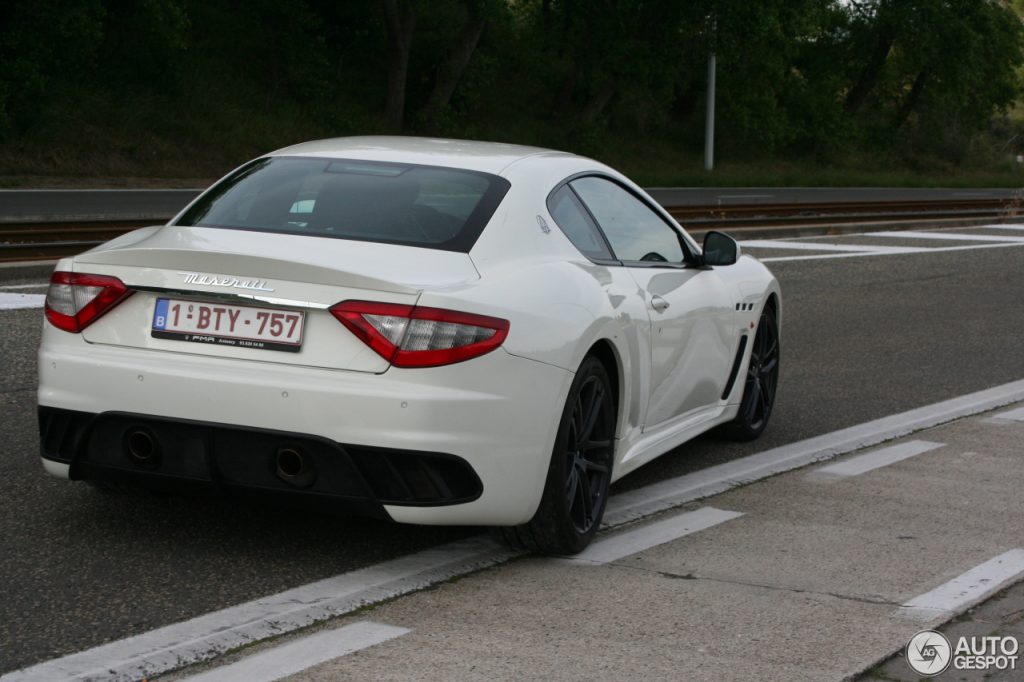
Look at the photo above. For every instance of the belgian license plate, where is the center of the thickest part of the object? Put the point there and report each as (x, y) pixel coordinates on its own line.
(228, 325)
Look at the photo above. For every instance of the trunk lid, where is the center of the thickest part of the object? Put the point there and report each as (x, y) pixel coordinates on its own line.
(274, 273)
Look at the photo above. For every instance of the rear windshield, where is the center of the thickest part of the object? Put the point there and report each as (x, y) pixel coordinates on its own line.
(426, 206)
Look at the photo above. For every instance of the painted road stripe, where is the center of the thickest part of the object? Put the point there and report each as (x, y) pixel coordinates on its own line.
(21, 301)
(207, 636)
(967, 589)
(952, 236)
(11, 287)
(176, 646)
(1002, 227)
(294, 657)
(822, 246)
(635, 504)
(934, 249)
(1013, 415)
(876, 459)
(608, 549)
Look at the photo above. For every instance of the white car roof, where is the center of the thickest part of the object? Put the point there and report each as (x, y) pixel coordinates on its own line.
(486, 157)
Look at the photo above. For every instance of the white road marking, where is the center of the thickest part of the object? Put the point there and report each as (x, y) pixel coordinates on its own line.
(202, 638)
(1013, 415)
(966, 590)
(876, 459)
(635, 504)
(1002, 227)
(609, 549)
(823, 246)
(178, 645)
(11, 287)
(21, 301)
(934, 249)
(950, 236)
(294, 657)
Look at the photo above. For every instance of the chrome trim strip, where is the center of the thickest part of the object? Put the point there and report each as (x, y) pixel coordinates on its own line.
(234, 296)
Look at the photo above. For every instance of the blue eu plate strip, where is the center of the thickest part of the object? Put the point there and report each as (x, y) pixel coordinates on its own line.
(160, 314)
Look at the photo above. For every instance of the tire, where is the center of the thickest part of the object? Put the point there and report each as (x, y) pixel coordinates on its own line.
(761, 382)
(576, 489)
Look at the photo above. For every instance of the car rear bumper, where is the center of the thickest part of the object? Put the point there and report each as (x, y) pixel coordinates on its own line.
(496, 414)
(122, 446)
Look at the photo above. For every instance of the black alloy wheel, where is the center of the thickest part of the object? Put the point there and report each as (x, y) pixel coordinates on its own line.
(761, 381)
(588, 453)
(579, 476)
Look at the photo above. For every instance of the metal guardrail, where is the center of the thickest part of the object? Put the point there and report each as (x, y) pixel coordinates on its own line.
(86, 218)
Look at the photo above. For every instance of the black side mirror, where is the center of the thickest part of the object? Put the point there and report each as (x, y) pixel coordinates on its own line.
(720, 249)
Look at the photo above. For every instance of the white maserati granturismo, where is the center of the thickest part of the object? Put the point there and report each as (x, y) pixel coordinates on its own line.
(429, 331)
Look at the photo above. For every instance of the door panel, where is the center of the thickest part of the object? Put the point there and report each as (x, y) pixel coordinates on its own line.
(693, 339)
(692, 314)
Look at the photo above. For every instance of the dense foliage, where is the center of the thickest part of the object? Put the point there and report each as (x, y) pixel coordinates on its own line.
(160, 85)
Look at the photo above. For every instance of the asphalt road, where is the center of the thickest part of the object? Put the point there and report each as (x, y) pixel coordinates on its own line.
(862, 338)
(57, 205)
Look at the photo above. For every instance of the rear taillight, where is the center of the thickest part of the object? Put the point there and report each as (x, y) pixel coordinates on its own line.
(75, 300)
(414, 336)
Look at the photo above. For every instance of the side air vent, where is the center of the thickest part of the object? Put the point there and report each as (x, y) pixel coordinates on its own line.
(735, 367)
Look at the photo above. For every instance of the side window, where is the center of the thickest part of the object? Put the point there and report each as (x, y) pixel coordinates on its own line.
(576, 224)
(635, 232)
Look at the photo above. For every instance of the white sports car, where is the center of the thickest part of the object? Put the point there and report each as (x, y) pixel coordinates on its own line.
(430, 331)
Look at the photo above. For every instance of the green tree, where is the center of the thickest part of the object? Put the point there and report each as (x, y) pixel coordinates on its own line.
(952, 60)
(43, 42)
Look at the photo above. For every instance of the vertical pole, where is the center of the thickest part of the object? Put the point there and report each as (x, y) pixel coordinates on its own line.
(709, 122)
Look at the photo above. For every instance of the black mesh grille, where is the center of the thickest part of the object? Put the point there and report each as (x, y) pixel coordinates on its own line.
(416, 478)
(61, 432)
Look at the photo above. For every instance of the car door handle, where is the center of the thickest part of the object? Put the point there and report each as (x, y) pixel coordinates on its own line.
(658, 303)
